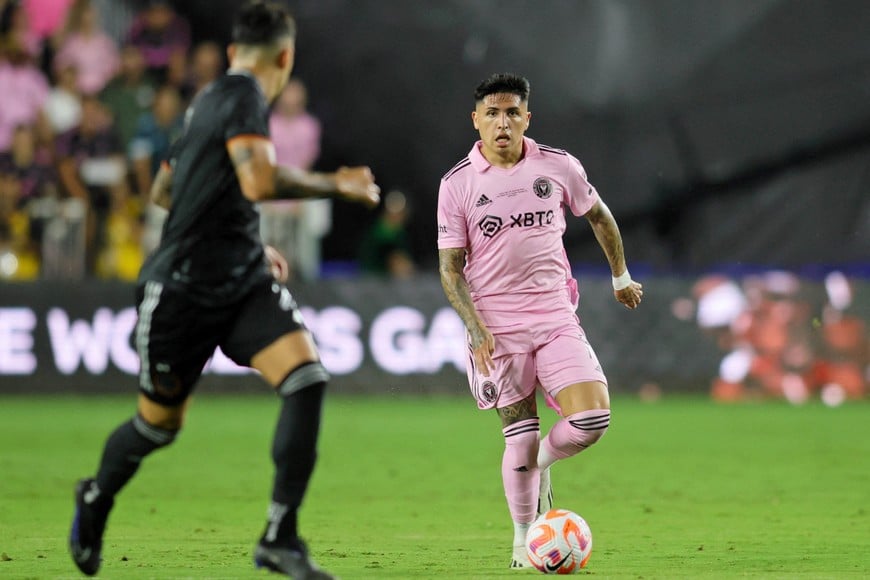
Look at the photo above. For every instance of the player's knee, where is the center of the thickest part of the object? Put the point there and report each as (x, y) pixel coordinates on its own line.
(305, 375)
(159, 436)
(588, 427)
(522, 439)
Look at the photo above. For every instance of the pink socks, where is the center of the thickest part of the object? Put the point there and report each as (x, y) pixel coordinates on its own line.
(572, 434)
(519, 468)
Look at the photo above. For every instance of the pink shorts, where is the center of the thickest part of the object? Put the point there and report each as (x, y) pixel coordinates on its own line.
(551, 354)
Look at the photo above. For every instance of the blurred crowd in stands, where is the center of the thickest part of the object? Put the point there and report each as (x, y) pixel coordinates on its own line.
(782, 337)
(92, 93)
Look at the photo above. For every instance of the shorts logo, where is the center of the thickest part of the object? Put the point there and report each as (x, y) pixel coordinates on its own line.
(543, 188)
(488, 391)
(490, 225)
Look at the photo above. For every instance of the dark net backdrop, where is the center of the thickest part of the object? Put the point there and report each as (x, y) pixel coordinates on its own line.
(719, 132)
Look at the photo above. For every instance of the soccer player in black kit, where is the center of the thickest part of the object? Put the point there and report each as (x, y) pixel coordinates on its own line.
(208, 284)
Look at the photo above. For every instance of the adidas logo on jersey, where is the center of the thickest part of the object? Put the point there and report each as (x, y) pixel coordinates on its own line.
(483, 201)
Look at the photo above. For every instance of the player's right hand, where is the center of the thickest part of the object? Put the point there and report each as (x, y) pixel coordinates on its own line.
(358, 184)
(482, 347)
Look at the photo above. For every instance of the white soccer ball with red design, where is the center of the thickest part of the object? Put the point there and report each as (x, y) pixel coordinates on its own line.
(559, 542)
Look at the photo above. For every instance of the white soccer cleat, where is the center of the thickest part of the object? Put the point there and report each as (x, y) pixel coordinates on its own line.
(520, 559)
(545, 493)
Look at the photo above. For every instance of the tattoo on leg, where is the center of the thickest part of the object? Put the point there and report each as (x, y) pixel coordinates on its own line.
(519, 411)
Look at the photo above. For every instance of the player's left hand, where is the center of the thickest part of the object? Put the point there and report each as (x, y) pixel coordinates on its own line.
(358, 184)
(630, 296)
(277, 264)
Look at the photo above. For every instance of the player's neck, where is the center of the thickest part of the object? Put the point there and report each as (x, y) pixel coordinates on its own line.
(263, 77)
(504, 160)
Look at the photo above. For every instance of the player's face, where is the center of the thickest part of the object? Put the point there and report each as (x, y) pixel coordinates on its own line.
(502, 120)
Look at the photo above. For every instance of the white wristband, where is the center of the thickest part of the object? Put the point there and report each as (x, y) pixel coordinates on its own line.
(622, 281)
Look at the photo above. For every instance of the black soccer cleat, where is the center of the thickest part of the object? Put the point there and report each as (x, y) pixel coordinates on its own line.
(294, 563)
(88, 525)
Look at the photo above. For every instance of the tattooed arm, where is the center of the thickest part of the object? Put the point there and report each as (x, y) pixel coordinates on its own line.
(607, 234)
(451, 262)
(262, 179)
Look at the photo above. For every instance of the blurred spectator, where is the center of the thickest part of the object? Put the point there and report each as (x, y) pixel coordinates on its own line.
(295, 131)
(121, 255)
(117, 17)
(86, 47)
(206, 64)
(164, 39)
(130, 94)
(18, 260)
(63, 108)
(155, 132)
(296, 228)
(26, 177)
(16, 29)
(46, 17)
(92, 168)
(385, 250)
(29, 166)
(24, 90)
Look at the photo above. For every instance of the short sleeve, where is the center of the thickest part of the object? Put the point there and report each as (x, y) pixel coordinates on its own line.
(247, 114)
(579, 194)
(451, 219)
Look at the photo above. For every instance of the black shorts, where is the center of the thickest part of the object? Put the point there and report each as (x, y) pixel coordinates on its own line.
(176, 336)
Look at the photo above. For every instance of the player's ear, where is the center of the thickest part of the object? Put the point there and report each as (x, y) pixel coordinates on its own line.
(285, 58)
(231, 52)
(474, 119)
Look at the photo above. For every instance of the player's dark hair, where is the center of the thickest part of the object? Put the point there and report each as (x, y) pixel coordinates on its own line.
(262, 23)
(503, 83)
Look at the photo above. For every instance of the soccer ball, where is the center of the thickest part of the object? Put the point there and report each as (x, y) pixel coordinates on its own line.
(559, 542)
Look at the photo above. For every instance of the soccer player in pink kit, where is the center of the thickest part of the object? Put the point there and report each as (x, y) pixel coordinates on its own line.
(503, 265)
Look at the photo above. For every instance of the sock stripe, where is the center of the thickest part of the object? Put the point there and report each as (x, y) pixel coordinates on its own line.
(532, 424)
(521, 431)
(303, 376)
(590, 426)
(592, 423)
(156, 435)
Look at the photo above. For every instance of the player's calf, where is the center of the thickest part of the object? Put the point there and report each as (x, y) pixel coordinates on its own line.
(294, 449)
(520, 477)
(124, 450)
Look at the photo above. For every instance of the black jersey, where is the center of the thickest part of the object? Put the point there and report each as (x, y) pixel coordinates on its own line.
(210, 246)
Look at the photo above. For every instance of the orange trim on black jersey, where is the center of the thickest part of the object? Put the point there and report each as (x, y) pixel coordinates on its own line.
(247, 136)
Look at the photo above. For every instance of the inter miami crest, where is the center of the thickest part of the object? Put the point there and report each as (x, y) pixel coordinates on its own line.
(543, 188)
(488, 391)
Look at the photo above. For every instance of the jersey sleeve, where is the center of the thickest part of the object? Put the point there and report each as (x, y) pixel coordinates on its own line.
(451, 219)
(247, 114)
(579, 194)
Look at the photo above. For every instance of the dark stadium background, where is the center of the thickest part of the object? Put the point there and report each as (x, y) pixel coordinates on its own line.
(731, 138)
(719, 132)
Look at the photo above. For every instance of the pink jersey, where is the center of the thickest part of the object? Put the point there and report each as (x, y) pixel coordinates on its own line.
(511, 223)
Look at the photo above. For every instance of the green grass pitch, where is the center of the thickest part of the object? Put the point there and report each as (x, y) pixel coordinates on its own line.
(411, 488)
